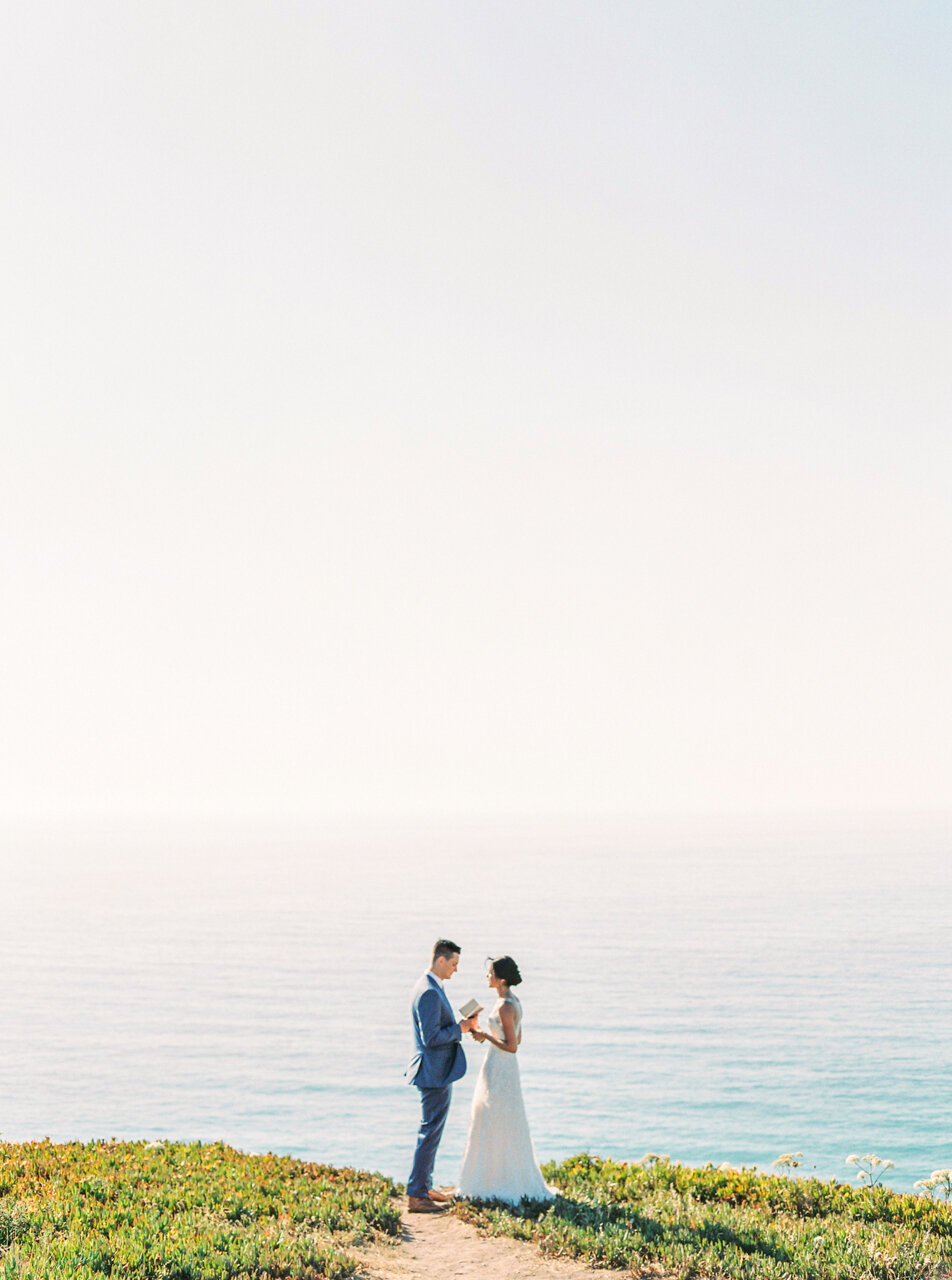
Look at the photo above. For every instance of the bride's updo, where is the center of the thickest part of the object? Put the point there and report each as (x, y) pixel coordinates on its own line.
(506, 968)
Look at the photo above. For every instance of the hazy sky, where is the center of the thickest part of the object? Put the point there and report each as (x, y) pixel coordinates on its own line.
(492, 408)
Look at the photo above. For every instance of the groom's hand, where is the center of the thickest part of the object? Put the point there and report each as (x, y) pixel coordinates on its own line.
(468, 1024)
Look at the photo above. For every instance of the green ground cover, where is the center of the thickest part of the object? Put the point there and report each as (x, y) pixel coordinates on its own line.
(174, 1211)
(728, 1223)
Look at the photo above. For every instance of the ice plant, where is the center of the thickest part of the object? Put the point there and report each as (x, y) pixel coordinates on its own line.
(74, 1211)
(661, 1217)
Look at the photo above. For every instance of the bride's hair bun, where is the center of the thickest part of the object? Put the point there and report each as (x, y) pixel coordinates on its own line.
(506, 968)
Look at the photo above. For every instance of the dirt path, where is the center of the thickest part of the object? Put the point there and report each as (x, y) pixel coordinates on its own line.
(441, 1247)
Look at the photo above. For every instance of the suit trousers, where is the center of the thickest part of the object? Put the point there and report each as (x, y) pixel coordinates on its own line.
(436, 1105)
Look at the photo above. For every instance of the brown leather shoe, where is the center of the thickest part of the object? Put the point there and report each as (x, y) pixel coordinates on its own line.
(416, 1205)
(441, 1197)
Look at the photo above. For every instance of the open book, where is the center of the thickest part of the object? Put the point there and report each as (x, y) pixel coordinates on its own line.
(470, 1008)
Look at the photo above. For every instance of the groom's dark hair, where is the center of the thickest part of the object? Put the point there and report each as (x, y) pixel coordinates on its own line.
(443, 947)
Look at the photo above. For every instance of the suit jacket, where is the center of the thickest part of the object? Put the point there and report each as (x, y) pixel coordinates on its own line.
(438, 1057)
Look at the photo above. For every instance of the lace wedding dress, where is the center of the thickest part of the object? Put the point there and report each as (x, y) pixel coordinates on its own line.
(499, 1162)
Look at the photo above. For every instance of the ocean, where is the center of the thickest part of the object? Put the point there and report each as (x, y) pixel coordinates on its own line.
(712, 991)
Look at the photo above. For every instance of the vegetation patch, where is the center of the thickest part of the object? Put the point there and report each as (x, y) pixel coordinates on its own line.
(723, 1222)
(177, 1211)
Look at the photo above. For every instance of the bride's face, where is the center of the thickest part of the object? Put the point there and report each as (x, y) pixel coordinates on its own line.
(491, 979)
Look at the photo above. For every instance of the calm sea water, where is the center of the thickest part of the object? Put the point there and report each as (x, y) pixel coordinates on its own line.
(709, 992)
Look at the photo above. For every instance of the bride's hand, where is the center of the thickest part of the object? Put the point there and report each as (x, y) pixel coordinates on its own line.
(478, 1035)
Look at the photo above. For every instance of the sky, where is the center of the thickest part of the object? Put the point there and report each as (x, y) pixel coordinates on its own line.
(443, 409)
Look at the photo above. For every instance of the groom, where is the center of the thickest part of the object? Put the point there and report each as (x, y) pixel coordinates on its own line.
(438, 1061)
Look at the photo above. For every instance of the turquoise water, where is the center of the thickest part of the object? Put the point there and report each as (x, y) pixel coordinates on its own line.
(705, 991)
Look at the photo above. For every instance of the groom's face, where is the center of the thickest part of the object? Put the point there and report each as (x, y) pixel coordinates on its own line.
(445, 966)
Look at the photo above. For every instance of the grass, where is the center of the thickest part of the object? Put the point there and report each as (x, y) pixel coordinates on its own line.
(175, 1211)
(727, 1223)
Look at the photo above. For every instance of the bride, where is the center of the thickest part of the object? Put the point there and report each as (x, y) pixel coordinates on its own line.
(499, 1162)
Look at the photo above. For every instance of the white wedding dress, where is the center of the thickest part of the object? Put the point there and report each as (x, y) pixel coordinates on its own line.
(499, 1162)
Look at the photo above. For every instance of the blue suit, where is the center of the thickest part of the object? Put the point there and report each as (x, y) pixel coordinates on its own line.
(437, 1061)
